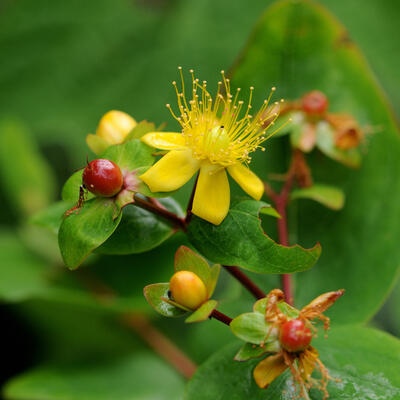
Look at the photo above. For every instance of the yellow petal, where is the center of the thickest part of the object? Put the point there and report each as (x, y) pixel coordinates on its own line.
(114, 126)
(307, 362)
(269, 369)
(247, 180)
(212, 197)
(171, 172)
(164, 140)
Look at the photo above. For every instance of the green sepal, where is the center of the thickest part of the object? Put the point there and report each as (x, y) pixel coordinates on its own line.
(156, 294)
(187, 260)
(329, 196)
(97, 144)
(86, 229)
(240, 240)
(203, 312)
(141, 129)
(249, 351)
(252, 328)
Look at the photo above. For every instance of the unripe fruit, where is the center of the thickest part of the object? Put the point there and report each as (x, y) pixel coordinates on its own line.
(114, 126)
(188, 289)
(294, 335)
(103, 178)
(314, 103)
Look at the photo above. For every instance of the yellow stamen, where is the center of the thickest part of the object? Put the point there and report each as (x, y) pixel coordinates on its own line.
(215, 130)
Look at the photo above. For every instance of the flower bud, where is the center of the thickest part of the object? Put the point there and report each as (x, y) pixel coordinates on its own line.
(188, 289)
(114, 126)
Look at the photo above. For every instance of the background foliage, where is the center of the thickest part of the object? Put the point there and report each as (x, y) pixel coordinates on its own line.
(66, 63)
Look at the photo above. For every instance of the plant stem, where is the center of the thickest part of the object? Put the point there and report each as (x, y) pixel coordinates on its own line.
(236, 272)
(161, 344)
(221, 317)
(153, 207)
(298, 170)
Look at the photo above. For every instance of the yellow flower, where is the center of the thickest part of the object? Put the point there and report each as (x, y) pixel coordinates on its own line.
(215, 138)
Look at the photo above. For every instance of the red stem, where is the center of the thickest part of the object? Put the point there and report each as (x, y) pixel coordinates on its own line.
(245, 281)
(221, 317)
(178, 222)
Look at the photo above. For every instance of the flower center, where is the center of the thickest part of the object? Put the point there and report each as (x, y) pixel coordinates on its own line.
(222, 130)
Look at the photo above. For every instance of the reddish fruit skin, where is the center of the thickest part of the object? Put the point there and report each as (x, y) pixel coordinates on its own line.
(295, 336)
(103, 178)
(314, 103)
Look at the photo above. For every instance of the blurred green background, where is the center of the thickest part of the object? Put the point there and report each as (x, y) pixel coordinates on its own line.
(63, 65)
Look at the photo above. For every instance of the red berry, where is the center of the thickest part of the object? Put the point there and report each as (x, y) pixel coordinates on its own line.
(295, 336)
(103, 178)
(314, 103)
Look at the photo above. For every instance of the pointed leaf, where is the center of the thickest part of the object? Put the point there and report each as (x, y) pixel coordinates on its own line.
(240, 240)
(86, 229)
(141, 129)
(140, 230)
(329, 196)
(305, 39)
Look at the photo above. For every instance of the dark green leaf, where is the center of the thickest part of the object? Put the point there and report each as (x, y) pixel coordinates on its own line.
(140, 230)
(86, 229)
(137, 377)
(154, 295)
(298, 47)
(203, 312)
(240, 240)
(25, 175)
(329, 196)
(365, 360)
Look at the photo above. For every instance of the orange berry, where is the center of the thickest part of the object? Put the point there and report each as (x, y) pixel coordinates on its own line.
(188, 289)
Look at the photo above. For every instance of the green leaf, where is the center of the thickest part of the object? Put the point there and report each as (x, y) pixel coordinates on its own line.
(25, 175)
(240, 240)
(141, 129)
(249, 351)
(187, 260)
(154, 295)
(52, 216)
(365, 360)
(362, 239)
(252, 328)
(289, 311)
(140, 230)
(83, 231)
(203, 312)
(329, 196)
(130, 155)
(71, 188)
(136, 377)
(269, 210)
